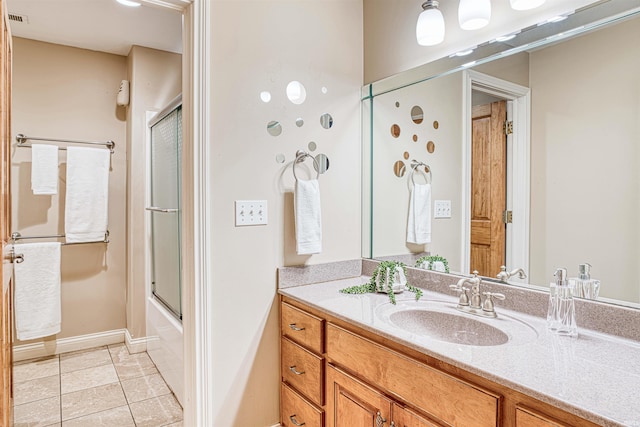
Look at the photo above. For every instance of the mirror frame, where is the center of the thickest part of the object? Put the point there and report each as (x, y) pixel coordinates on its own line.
(583, 20)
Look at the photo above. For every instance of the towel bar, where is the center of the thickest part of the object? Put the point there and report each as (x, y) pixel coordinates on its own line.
(22, 142)
(15, 236)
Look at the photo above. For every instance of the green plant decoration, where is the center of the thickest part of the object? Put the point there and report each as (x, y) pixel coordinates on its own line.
(386, 269)
(430, 260)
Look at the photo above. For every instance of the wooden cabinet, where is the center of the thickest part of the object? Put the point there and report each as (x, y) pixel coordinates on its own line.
(297, 411)
(528, 418)
(405, 417)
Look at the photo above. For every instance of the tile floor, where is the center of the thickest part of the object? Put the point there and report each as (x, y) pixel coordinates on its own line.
(104, 386)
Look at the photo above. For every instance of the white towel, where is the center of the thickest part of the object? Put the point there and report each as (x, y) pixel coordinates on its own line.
(44, 169)
(87, 199)
(308, 218)
(419, 223)
(37, 290)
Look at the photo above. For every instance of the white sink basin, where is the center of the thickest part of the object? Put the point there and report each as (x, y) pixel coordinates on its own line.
(441, 321)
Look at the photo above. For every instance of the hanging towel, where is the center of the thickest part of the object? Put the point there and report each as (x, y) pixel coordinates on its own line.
(308, 218)
(44, 169)
(87, 194)
(419, 223)
(37, 290)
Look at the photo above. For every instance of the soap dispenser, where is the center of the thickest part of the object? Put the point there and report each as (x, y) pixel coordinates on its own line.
(584, 286)
(561, 317)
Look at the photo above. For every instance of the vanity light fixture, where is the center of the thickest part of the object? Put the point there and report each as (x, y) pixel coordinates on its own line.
(525, 4)
(430, 26)
(474, 14)
(130, 3)
(463, 52)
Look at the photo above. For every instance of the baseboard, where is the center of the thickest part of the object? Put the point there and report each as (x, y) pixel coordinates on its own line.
(64, 345)
(135, 345)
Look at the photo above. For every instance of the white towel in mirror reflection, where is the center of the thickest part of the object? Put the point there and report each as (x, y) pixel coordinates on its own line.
(419, 222)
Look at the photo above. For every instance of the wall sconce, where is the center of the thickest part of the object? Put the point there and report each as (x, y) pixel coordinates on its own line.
(430, 26)
(474, 14)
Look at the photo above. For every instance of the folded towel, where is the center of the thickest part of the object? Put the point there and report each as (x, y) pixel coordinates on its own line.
(87, 198)
(308, 219)
(419, 223)
(37, 290)
(44, 169)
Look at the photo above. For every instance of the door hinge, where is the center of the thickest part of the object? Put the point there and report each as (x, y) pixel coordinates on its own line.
(507, 217)
(508, 127)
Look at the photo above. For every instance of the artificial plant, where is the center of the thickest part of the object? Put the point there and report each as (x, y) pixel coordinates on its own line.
(430, 260)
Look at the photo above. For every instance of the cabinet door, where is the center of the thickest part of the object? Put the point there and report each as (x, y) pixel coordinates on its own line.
(405, 417)
(528, 418)
(351, 403)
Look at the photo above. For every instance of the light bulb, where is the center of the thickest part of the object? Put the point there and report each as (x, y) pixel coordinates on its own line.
(525, 4)
(474, 14)
(430, 26)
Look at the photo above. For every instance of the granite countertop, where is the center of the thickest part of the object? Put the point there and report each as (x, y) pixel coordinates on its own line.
(595, 376)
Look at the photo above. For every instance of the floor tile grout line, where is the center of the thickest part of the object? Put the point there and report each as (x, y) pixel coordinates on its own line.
(124, 394)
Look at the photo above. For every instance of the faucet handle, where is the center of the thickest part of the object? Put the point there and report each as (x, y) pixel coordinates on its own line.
(475, 273)
(464, 298)
(488, 302)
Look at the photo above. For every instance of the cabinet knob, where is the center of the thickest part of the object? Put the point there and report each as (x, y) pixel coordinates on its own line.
(294, 327)
(379, 420)
(294, 421)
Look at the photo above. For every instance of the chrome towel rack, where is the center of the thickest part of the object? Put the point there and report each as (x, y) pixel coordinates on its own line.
(301, 155)
(22, 142)
(15, 236)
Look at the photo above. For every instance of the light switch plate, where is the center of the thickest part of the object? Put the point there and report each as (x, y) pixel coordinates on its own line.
(442, 209)
(251, 212)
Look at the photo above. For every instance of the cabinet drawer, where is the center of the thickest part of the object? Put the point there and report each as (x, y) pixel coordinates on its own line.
(297, 411)
(302, 327)
(436, 393)
(303, 370)
(527, 418)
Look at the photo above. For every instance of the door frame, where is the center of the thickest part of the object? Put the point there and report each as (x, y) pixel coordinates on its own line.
(518, 164)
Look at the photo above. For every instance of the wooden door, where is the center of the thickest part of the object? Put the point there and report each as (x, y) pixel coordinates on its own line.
(6, 300)
(351, 403)
(488, 188)
(405, 417)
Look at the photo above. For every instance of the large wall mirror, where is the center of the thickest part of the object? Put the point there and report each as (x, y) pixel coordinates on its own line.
(568, 172)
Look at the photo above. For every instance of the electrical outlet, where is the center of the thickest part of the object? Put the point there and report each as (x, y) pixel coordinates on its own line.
(442, 209)
(251, 212)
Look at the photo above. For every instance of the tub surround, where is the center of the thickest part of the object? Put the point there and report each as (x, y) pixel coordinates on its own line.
(594, 376)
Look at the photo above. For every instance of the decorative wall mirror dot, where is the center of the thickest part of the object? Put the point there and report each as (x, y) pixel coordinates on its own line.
(324, 90)
(436, 125)
(399, 168)
(312, 146)
(299, 122)
(406, 155)
(395, 130)
(397, 104)
(431, 147)
(417, 115)
(326, 121)
(321, 165)
(296, 92)
(280, 158)
(415, 138)
(274, 128)
(265, 96)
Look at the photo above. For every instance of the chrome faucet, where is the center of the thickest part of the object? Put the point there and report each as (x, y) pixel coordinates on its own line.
(504, 275)
(473, 303)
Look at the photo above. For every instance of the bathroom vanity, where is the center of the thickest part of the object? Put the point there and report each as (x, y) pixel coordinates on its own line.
(347, 362)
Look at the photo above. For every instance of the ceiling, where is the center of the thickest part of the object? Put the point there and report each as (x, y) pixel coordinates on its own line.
(102, 25)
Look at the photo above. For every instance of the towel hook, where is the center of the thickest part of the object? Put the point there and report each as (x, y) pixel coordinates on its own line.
(414, 165)
(300, 156)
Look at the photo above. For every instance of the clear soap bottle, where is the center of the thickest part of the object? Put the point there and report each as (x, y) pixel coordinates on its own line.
(584, 285)
(561, 317)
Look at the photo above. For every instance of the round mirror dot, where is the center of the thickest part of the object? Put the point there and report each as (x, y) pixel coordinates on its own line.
(324, 90)
(415, 138)
(299, 122)
(280, 158)
(395, 130)
(431, 147)
(326, 121)
(436, 125)
(296, 92)
(312, 146)
(321, 165)
(399, 169)
(274, 128)
(397, 104)
(417, 115)
(406, 155)
(265, 96)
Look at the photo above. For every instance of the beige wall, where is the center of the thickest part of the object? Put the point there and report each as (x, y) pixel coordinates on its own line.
(584, 159)
(65, 92)
(156, 79)
(256, 46)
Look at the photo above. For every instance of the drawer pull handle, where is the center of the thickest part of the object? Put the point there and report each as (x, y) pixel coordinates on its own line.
(294, 421)
(379, 420)
(295, 328)
(293, 369)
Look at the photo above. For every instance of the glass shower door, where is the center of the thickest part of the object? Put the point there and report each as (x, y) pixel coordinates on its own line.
(166, 148)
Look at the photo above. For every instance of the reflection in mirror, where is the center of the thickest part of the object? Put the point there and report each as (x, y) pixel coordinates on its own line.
(299, 122)
(312, 146)
(406, 155)
(417, 115)
(395, 131)
(397, 104)
(280, 158)
(415, 138)
(326, 121)
(321, 164)
(265, 96)
(274, 128)
(583, 208)
(296, 92)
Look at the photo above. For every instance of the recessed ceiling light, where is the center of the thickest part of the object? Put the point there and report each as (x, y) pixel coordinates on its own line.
(130, 3)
